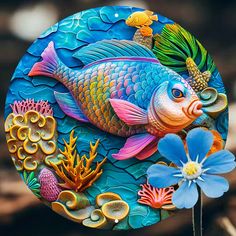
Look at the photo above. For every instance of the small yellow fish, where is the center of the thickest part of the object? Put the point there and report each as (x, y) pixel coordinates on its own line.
(139, 19)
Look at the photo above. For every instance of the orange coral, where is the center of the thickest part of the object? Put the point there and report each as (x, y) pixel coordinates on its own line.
(76, 171)
(31, 134)
(218, 143)
(156, 197)
(146, 31)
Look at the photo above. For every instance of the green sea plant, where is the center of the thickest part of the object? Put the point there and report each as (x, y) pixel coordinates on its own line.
(32, 182)
(175, 45)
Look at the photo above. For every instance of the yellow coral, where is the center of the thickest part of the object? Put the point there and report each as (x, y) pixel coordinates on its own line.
(31, 138)
(76, 171)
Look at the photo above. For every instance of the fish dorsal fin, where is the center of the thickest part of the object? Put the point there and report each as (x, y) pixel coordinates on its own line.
(149, 13)
(112, 49)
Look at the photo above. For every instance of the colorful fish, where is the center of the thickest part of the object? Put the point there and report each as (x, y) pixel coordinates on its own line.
(125, 91)
(139, 19)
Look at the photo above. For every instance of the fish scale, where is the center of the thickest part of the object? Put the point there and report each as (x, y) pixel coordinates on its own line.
(98, 87)
(93, 86)
(131, 96)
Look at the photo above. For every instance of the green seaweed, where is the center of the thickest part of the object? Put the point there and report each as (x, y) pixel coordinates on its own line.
(32, 182)
(174, 45)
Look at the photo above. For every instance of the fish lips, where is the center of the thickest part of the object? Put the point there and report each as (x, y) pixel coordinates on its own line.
(194, 110)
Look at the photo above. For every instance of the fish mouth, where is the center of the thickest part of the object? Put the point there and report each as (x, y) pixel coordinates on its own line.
(194, 110)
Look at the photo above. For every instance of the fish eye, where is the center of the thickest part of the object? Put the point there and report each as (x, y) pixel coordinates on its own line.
(177, 93)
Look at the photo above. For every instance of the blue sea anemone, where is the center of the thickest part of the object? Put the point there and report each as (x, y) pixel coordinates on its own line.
(193, 169)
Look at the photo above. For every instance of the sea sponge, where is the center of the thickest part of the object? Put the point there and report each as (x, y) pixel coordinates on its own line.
(49, 185)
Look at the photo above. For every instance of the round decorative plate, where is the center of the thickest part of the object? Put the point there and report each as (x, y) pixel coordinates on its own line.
(89, 102)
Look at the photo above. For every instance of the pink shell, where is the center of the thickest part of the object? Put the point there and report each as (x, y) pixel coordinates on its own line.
(49, 185)
(21, 107)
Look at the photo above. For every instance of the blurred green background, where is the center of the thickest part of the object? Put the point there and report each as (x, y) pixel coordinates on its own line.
(21, 22)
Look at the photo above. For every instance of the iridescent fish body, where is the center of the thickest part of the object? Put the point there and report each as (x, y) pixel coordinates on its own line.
(125, 91)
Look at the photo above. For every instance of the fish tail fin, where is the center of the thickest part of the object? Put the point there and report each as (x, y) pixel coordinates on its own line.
(154, 18)
(49, 65)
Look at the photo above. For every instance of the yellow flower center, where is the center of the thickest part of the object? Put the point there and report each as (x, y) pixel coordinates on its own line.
(192, 170)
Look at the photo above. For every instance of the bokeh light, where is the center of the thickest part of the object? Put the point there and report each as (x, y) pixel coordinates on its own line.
(29, 22)
(140, 4)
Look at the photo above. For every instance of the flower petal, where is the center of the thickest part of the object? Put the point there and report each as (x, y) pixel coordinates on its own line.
(199, 142)
(161, 176)
(213, 186)
(186, 195)
(172, 147)
(220, 162)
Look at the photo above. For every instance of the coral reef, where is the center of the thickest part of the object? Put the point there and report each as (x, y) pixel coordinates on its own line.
(32, 182)
(156, 198)
(49, 185)
(31, 134)
(76, 171)
(175, 45)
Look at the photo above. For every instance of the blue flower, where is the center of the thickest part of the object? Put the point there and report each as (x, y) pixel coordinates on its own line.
(193, 168)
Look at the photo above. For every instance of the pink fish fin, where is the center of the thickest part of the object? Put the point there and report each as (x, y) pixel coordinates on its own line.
(49, 64)
(134, 145)
(129, 113)
(69, 106)
(148, 150)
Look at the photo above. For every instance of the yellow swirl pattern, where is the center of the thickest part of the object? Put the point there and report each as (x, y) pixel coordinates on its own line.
(31, 139)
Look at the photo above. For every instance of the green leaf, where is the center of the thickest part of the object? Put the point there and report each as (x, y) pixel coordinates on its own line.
(174, 45)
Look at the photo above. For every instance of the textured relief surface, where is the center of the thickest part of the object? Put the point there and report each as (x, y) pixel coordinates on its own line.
(69, 162)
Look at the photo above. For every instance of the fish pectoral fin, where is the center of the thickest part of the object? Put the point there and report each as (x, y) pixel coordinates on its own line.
(148, 150)
(149, 22)
(129, 113)
(134, 145)
(136, 20)
(69, 106)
